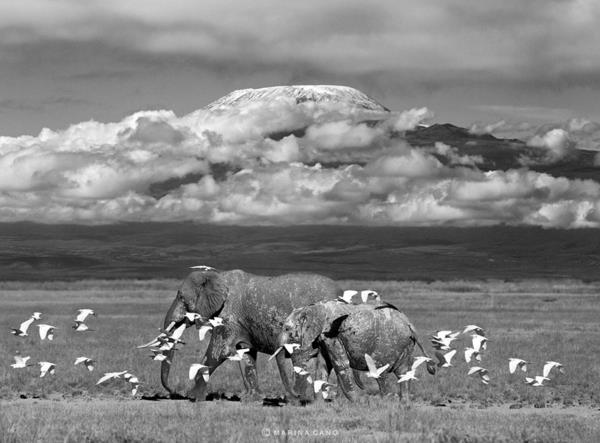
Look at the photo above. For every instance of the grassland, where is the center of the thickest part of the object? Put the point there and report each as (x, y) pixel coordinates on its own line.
(535, 320)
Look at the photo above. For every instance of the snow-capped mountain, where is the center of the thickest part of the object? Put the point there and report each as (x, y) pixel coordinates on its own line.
(301, 93)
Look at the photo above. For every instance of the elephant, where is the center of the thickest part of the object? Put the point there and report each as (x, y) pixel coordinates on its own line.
(253, 309)
(344, 333)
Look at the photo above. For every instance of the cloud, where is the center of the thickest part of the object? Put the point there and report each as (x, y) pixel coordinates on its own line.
(335, 168)
(410, 119)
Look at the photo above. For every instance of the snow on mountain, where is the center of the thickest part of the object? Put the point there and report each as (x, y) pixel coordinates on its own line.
(301, 93)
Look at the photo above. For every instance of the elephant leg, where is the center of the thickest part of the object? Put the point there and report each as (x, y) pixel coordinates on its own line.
(382, 382)
(250, 375)
(283, 372)
(403, 388)
(341, 365)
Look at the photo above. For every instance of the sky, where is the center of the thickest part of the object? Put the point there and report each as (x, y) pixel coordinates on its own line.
(99, 100)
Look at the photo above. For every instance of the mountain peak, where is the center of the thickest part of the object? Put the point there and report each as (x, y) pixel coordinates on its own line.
(301, 93)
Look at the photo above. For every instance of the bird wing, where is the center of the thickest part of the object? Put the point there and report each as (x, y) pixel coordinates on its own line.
(203, 330)
(370, 364)
(80, 360)
(194, 370)
(468, 354)
(105, 377)
(382, 369)
(512, 365)
(419, 361)
(25, 325)
(177, 333)
(474, 369)
(448, 355)
(43, 330)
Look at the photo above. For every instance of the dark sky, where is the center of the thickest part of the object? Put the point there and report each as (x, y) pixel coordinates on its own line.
(66, 61)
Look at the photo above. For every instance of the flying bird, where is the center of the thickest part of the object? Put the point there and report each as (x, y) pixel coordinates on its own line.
(479, 342)
(374, 371)
(203, 330)
(46, 367)
(474, 328)
(20, 362)
(110, 375)
(537, 381)
(203, 268)
(482, 372)
(88, 362)
(216, 321)
(21, 331)
(197, 367)
(83, 314)
(133, 381)
(369, 294)
(158, 340)
(321, 385)
(408, 375)
(472, 353)
(445, 359)
(193, 316)
(347, 296)
(158, 355)
(46, 332)
(516, 363)
(36, 315)
(80, 326)
(418, 361)
(549, 365)
(239, 354)
(443, 339)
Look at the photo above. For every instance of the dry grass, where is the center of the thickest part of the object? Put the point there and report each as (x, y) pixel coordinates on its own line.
(536, 320)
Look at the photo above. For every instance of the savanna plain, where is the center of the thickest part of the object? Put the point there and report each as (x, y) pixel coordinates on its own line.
(536, 320)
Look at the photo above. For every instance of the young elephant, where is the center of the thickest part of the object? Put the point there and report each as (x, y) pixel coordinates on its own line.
(344, 333)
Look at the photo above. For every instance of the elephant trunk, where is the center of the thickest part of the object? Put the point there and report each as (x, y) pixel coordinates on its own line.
(175, 315)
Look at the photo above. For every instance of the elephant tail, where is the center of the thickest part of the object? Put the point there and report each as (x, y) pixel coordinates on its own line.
(414, 338)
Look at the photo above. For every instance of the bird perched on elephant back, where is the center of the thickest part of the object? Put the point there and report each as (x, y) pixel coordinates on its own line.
(344, 333)
(253, 309)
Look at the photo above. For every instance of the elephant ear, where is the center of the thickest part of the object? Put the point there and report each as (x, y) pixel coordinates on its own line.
(335, 327)
(211, 292)
(311, 326)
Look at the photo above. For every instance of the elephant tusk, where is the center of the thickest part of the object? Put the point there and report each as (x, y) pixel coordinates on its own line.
(277, 351)
(168, 328)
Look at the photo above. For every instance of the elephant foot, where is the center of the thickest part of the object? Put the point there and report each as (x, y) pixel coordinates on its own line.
(252, 396)
(177, 396)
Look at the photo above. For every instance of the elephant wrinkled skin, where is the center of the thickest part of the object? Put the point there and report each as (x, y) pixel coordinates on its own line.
(253, 308)
(344, 333)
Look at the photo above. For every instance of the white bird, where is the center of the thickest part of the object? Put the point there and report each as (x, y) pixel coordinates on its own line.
(46, 331)
(289, 347)
(347, 296)
(515, 363)
(158, 355)
(474, 328)
(45, 367)
(133, 381)
(537, 381)
(369, 294)
(81, 327)
(320, 385)
(472, 353)
(239, 354)
(203, 268)
(418, 361)
(216, 321)
(374, 371)
(443, 339)
(549, 365)
(445, 359)
(21, 331)
(20, 362)
(109, 375)
(197, 367)
(479, 342)
(482, 372)
(193, 316)
(203, 330)
(36, 315)
(440, 335)
(88, 362)
(83, 313)
(408, 375)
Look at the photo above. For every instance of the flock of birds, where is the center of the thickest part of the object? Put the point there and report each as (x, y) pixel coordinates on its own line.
(170, 338)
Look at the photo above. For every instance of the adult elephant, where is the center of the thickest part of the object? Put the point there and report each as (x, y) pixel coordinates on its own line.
(344, 333)
(253, 309)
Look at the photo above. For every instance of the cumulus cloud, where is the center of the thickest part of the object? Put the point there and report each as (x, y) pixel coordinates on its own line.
(556, 142)
(334, 168)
